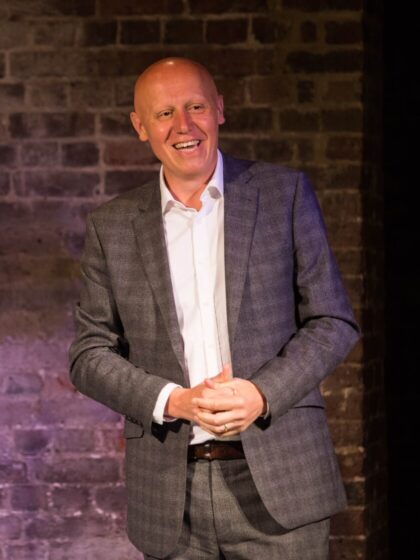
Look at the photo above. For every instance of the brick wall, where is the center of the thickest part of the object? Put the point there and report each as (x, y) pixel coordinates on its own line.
(294, 77)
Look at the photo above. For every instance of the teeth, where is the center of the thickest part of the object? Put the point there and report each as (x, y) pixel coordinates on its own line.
(189, 144)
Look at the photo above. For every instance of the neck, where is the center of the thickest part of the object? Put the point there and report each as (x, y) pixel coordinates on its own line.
(187, 191)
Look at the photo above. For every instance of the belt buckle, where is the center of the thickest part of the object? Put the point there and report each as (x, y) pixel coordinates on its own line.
(207, 451)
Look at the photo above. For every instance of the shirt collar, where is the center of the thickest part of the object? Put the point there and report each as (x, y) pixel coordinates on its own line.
(214, 188)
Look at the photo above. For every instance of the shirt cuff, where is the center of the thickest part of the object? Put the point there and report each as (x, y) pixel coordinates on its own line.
(159, 410)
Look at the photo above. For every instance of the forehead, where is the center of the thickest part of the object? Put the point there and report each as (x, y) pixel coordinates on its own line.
(170, 85)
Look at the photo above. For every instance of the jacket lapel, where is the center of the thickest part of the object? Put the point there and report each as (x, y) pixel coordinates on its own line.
(241, 204)
(150, 237)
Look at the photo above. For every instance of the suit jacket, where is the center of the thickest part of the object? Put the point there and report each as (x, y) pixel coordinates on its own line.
(290, 324)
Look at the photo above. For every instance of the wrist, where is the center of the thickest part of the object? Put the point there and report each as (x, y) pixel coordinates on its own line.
(172, 407)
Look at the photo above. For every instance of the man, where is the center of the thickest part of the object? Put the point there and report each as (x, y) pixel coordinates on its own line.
(211, 310)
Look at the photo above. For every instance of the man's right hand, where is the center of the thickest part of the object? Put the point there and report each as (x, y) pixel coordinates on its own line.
(180, 405)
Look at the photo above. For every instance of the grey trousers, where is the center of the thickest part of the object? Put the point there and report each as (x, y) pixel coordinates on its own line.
(225, 519)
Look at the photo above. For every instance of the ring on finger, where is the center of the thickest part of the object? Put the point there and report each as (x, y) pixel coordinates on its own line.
(226, 429)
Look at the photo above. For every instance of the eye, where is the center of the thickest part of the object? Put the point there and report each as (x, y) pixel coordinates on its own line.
(196, 108)
(166, 114)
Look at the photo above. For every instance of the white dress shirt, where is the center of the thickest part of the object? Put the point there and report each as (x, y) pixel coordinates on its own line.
(195, 246)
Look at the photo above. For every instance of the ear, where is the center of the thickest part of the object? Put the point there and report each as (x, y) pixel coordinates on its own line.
(138, 126)
(220, 108)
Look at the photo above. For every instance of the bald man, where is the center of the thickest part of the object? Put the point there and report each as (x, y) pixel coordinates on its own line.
(211, 310)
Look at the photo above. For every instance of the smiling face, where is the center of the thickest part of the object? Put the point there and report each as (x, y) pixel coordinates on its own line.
(178, 111)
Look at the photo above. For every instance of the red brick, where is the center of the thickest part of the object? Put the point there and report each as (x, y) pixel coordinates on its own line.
(20, 384)
(91, 93)
(266, 62)
(267, 30)
(270, 89)
(128, 152)
(291, 120)
(248, 120)
(116, 124)
(28, 498)
(138, 32)
(35, 154)
(346, 433)
(7, 154)
(4, 182)
(343, 120)
(333, 61)
(348, 548)
(344, 177)
(227, 31)
(119, 181)
(356, 492)
(306, 91)
(239, 147)
(233, 90)
(305, 149)
(344, 148)
(57, 34)
(111, 498)
(11, 95)
(229, 62)
(347, 404)
(343, 32)
(96, 33)
(349, 522)
(61, 183)
(182, 31)
(139, 7)
(343, 91)
(83, 470)
(92, 548)
(274, 150)
(223, 6)
(10, 527)
(308, 31)
(33, 8)
(27, 551)
(51, 125)
(32, 442)
(79, 154)
(13, 33)
(2, 65)
(47, 64)
(50, 94)
(12, 472)
(352, 462)
(317, 5)
(70, 499)
(51, 527)
(343, 205)
(79, 441)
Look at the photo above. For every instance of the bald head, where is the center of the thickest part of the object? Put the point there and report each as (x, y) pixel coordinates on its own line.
(167, 70)
(178, 111)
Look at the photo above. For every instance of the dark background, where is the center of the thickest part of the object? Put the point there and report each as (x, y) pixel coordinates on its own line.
(402, 277)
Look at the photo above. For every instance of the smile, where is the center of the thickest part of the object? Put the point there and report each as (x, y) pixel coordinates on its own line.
(191, 144)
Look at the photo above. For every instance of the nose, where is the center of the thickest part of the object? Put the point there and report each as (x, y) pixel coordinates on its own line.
(182, 122)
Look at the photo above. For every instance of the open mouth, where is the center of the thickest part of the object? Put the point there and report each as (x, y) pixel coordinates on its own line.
(186, 146)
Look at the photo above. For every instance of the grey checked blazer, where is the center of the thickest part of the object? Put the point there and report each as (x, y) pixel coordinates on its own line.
(290, 324)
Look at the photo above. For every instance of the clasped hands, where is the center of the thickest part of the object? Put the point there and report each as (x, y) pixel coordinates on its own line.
(223, 405)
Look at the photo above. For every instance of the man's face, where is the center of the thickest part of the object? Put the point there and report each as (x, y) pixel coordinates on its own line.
(178, 111)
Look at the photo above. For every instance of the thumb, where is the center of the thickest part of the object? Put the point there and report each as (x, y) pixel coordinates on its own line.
(226, 373)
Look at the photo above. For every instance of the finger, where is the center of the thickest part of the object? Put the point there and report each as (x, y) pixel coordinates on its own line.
(218, 404)
(215, 419)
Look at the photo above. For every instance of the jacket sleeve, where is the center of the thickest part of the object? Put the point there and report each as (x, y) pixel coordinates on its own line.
(99, 367)
(326, 330)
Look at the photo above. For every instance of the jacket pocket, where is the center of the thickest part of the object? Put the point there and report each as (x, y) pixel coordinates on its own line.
(132, 430)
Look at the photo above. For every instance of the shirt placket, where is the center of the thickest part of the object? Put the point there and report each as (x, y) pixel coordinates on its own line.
(205, 288)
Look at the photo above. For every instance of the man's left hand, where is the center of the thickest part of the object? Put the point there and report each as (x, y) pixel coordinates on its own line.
(227, 415)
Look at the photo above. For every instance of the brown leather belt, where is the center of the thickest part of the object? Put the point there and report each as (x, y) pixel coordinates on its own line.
(222, 450)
